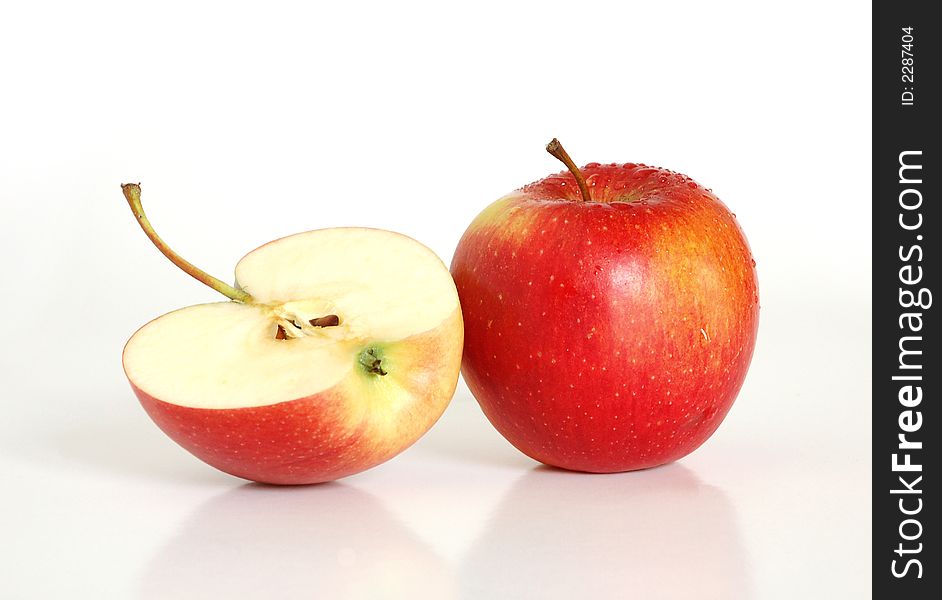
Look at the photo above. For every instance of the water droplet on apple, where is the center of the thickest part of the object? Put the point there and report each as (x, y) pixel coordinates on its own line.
(753, 263)
(691, 184)
(592, 165)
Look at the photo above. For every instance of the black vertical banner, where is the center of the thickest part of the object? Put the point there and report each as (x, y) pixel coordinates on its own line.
(907, 366)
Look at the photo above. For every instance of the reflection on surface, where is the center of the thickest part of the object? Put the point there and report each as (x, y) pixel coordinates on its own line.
(151, 455)
(650, 534)
(327, 541)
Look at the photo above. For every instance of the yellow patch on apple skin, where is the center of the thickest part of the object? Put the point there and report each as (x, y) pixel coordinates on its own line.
(421, 377)
(506, 217)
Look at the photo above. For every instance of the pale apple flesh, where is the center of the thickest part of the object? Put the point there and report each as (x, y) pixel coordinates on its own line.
(273, 391)
(609, 335)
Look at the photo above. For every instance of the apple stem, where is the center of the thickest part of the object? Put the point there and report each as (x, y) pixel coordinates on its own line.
(132, 191)
(557, 150)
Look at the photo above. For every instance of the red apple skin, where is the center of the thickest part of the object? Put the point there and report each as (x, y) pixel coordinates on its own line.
(609, 335)
(270, 444)
(328, 435)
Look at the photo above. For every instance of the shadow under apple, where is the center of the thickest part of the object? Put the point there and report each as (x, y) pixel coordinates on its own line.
(464, 435)
(130, 445)
(326, 541)
(659, 533)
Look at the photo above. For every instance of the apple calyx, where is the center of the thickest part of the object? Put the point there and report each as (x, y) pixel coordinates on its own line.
(557, 150)
(372, 361)
(132, 192)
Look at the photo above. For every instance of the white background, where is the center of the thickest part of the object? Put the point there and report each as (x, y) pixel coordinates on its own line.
(248, 121)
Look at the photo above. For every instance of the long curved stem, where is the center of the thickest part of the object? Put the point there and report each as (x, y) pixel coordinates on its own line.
(557, 150)
(132, 191)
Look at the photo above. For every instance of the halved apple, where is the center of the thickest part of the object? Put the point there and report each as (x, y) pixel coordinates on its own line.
(339, 349)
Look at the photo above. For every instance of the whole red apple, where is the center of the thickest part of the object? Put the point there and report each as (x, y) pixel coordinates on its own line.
(610, 315)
